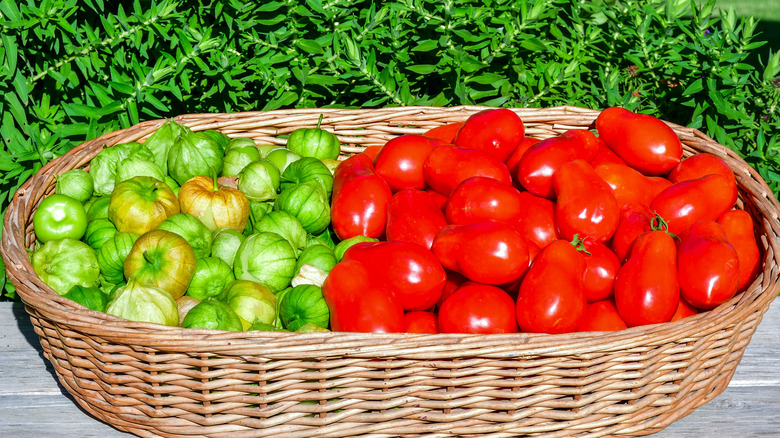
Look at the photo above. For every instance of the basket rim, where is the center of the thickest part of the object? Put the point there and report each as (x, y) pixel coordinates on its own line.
(43, 301)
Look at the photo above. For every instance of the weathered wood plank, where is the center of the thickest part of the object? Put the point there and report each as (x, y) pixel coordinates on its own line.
(33, 404)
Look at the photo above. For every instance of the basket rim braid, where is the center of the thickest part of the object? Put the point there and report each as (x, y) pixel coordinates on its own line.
(154, 380)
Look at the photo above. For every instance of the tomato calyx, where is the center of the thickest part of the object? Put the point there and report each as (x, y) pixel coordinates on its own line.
(658, 223)
(579, 244)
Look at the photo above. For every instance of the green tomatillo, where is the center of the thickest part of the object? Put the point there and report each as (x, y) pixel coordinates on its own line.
(59, 216)
(314, 142)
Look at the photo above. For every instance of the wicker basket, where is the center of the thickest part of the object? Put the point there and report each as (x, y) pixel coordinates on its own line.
(153, 380)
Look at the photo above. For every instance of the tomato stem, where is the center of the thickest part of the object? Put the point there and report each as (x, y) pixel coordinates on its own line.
(579, 244)
(657, 223)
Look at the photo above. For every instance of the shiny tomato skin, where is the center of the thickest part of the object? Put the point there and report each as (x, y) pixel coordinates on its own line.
(447, 166)
(486, 252)
(540, 162)
(685, 202)
(635, 220)
(708, 265)
(494, 131)
(703, 164)
(411, 271)
(360, 199)
(602, 316)
(551, 298)
(740, 232)
(514, 159)
(478, 309)
(646, 286)
(629, 185)
(605, 155)
(358, 304)
(585, 204)
(644, 142)
(479, 199)
(536, 219)
(684, 310)
(420, 321)
(445, 133)
(414, 216)
(400, 161)
(601, 266)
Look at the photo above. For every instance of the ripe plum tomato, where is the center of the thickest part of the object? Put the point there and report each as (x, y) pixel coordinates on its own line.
(400, 161)
(360, 199)
(414, 216)
(585, 205)
(538, 164)
(644, 142)
(629, 185)
(479, 309)
(646, 286)
(602, 316)
(685, 202)
(536, 219)
(703, 164)
(514, 160)
(372, 151)
(447, 166)
(684, 310)
(708, 265)
(551, 297)
(480, 199)
(410, 271)
(421, 322)
(740, 232)
(486, 252)
(497, 132)
(445, 133)
(357, 303)
(601, 266)
(605, 155)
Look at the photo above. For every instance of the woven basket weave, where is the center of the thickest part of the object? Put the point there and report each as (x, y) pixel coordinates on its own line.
(154, 380)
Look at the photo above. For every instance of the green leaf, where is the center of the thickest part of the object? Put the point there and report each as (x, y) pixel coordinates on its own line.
(309, 46)
(426, 46)
(424, 69)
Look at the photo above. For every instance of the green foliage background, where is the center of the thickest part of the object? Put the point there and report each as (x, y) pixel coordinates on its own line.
(71, 70)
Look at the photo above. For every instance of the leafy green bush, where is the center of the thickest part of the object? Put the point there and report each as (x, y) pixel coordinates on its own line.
(72, 70)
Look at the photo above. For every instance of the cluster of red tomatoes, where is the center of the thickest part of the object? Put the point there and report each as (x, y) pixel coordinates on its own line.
(483, 229)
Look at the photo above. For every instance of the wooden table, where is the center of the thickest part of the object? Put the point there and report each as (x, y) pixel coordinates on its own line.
(34, 404)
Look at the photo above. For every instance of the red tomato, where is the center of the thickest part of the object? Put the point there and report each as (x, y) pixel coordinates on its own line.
(448, 166)
(602, 316)
(685, 202)
(413, 216)
(438, 198)
(708, 266)
(514, 159)
(358, 304)
(629, 185)
(703, 164)
(497, 132)
(478, 308)
(601, 266)
(371, 151)
(360, 199)
(551, 297)
(410, 271)
(538, 164)
(486, 252)
(421, 322)
(586, 205)
(605, 155)
(635, 220)
(738, 226)
(454, 281)
(536, 219)
(446, 133)
(646, 286)
(644, 142)
(400, 162)
(684, 310)
(480, 199)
